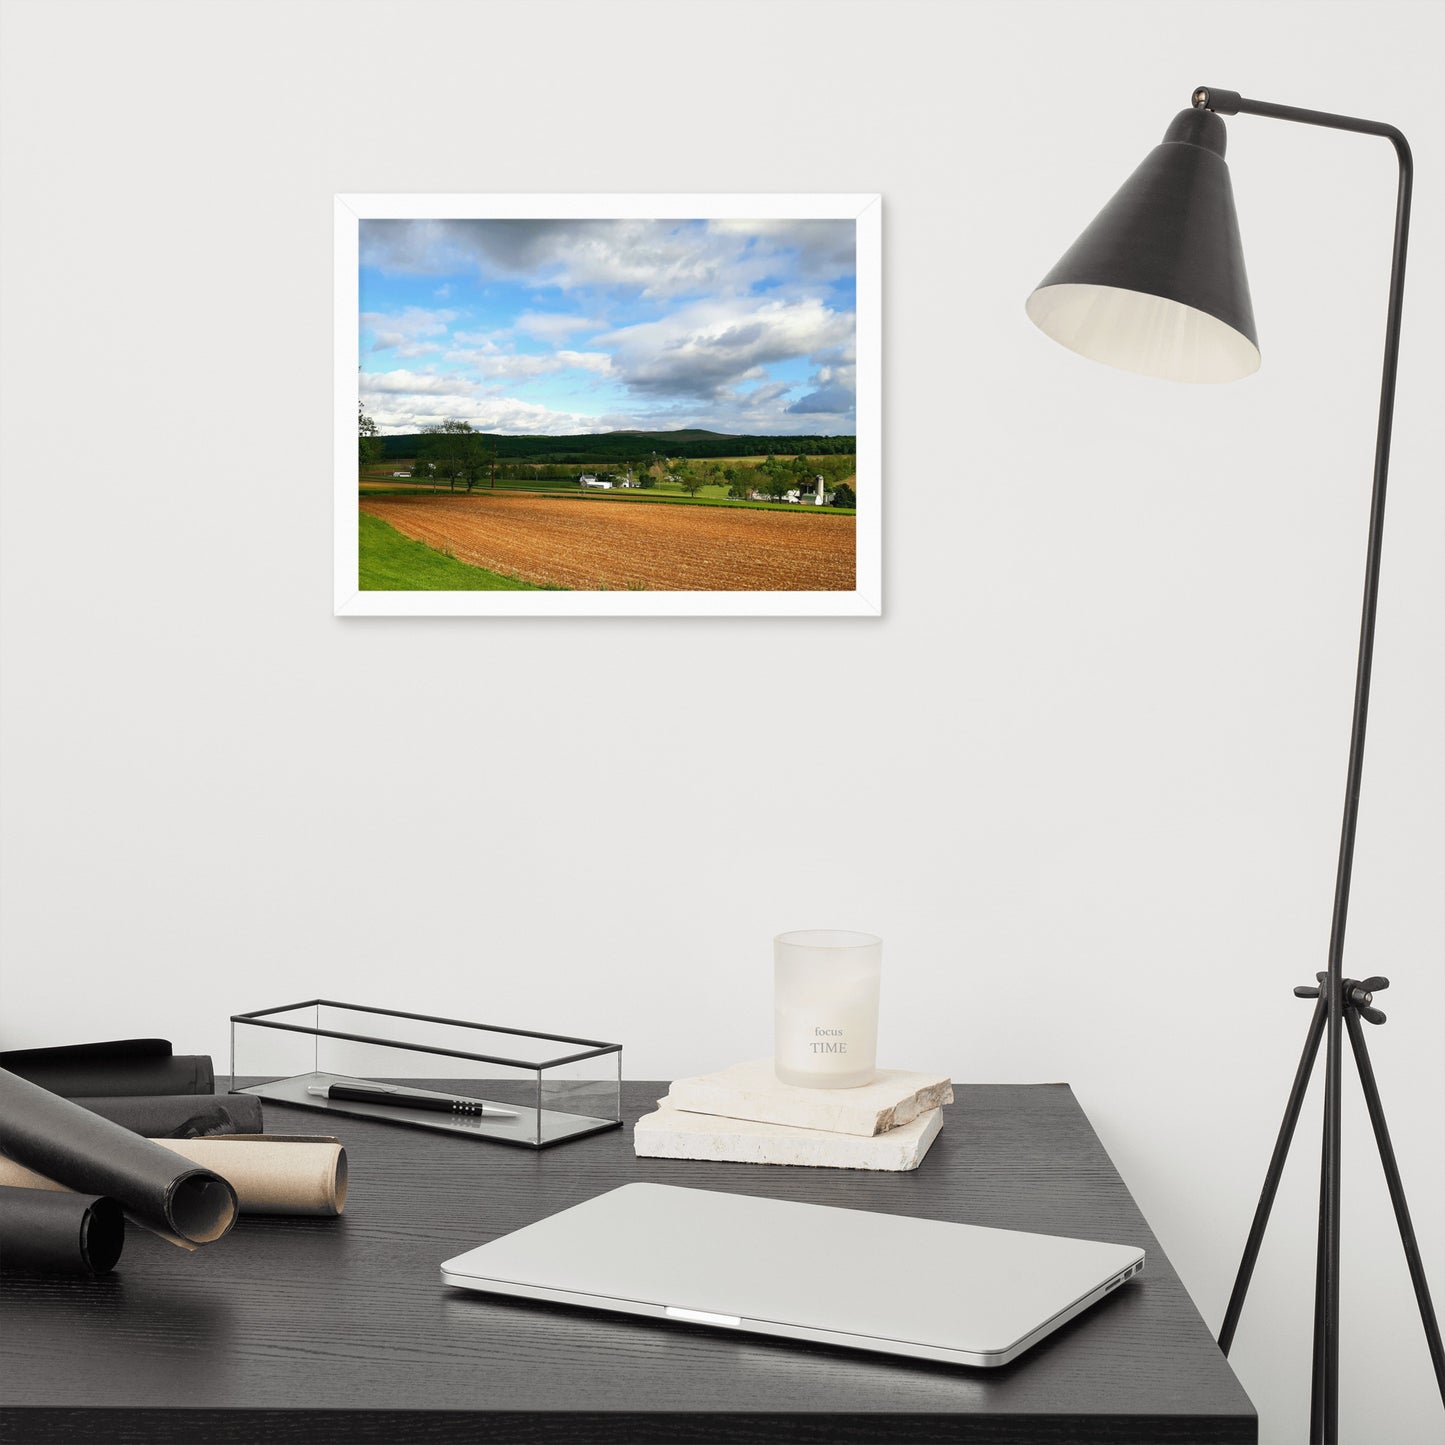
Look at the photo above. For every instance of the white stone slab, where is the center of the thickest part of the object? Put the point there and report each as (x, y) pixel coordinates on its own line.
(677, 1134)
(752, 1091)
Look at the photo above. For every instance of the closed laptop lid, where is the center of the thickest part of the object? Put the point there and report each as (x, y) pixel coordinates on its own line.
(931, 1283)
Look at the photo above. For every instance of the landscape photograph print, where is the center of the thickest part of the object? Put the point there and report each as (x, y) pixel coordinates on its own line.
(616, 413)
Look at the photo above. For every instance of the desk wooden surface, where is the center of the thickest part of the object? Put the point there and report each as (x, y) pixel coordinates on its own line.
(319, 1330)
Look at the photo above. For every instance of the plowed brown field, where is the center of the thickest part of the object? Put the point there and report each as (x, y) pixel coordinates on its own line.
(593, 543)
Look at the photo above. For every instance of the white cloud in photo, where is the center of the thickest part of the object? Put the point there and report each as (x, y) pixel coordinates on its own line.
(555, 325)
(413, 411)
(415, 383)
(649, 258)
(492, 362)
(701, 350)
(733, 326)
(833, 387)
(598, 361)
(414, 326)
(761, 395)
(824, 249)
(482, 343)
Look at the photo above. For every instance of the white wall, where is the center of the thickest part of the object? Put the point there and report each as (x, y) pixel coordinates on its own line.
(1084, 776)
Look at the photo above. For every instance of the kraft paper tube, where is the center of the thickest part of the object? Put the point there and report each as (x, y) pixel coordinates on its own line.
(119, 1066)
(180, 1116)
(275, 1173)
(46, 1233)
(271, 1173)
(90, 1155)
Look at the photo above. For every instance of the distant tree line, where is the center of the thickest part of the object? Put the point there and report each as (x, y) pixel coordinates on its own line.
(774, 477)
(623, 448)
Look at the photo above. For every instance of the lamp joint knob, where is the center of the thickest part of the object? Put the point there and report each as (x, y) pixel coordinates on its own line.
(1221, 102)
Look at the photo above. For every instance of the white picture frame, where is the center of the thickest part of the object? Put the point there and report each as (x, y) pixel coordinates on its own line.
(866, 600)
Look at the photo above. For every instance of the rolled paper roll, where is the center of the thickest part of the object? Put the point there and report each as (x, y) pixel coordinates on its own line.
(275, 1173)
(117, 1066)
(181, 1116)
(271, 1173)
(54, 1137)
(42, 1232)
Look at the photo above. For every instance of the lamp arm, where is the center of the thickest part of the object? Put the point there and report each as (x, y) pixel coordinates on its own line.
(1231, 102)
(1327, 1284)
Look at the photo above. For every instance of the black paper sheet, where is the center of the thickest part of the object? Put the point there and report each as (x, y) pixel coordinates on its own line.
(118, 1066)
(181, 1116)
(162, 1191)
(45, 1232)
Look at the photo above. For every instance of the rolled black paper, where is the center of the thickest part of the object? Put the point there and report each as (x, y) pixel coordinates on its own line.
(181, 1116)
(116, 1067)
(43, 1231)
(91, 1155)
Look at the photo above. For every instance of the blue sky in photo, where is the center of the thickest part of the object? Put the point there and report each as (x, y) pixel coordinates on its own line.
(580, 326)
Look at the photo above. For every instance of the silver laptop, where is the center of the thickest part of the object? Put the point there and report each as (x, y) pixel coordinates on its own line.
(920, 1287)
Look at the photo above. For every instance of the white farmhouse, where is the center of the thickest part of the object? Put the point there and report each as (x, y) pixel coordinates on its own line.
(588, 480)
(817, 498)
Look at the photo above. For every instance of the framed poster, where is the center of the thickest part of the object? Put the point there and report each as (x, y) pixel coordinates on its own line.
(565, 405)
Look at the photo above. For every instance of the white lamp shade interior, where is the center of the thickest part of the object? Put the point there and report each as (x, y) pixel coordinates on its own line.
(1147, 334)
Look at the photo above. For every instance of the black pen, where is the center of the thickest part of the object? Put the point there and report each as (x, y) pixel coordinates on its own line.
(404, 1098)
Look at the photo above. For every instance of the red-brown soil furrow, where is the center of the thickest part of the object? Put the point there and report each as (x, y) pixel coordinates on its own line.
(594, 543)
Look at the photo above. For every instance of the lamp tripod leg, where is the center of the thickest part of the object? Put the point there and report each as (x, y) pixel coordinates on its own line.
(1319, 1353)
(1397, 1196)
(1331, 1175)
(1272, 1176)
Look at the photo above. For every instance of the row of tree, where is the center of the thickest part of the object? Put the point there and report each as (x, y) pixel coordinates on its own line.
(618, 449)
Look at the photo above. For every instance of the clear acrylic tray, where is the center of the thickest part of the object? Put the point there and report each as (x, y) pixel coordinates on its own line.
(542, 1089)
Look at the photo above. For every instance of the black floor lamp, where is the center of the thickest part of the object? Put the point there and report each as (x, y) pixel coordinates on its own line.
(1157, 285)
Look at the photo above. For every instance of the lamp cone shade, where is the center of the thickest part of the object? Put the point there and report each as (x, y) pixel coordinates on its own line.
(1156, 284)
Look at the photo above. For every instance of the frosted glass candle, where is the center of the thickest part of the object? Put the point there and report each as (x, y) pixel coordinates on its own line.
(825, 1008)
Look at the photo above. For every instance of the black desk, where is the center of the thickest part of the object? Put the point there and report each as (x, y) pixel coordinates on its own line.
(320, 1330)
